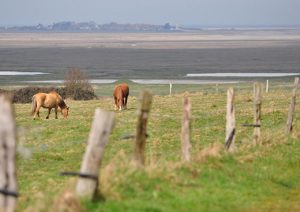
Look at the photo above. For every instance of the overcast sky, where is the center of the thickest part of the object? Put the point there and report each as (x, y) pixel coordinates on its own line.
(188, 12)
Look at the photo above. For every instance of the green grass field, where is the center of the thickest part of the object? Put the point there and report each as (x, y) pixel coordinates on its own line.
(254, 178)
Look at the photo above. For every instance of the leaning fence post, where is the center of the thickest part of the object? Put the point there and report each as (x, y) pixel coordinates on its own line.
(186, 130)
(98, 138)
(141, 128)
(289, 125)
(8, 143)
(257, 112)
(230, 121)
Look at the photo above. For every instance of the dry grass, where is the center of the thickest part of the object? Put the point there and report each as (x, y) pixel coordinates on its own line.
(214, 150)
(67, 202)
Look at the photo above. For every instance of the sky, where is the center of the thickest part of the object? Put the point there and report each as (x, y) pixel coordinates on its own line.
(182, 12)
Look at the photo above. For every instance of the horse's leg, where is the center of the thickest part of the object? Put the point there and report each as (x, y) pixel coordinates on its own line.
(56, 112)
(123, 102)
(37, 111)
(49, 111)
(120, 104)
(126, 97)
(116, 104)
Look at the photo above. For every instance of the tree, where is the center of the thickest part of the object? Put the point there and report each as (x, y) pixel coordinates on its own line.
(167, 26)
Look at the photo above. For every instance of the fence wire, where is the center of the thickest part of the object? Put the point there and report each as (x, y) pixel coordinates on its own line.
(208, 116)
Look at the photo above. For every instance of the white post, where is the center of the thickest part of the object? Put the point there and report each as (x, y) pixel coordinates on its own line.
(267, 86)
(170, 89)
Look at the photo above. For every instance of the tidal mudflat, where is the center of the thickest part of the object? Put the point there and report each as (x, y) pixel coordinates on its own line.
(149, 55)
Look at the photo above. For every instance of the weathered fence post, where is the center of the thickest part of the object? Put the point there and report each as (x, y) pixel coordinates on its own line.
(98, 138)
(141, 128)
(267, 86)
(289, 125)
(8, 143)
(257, 112)
(186, 130)
(230, 121)
(171, 89)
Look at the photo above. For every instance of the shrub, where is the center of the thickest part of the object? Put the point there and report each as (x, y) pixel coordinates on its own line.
(24, 95)
(77, 86)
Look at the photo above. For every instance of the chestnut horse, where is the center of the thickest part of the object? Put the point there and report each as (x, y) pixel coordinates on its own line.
(50, 100)
(121, 93)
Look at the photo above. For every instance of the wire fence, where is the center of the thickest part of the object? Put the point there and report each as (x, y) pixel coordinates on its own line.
(208, 114)
(103, 90)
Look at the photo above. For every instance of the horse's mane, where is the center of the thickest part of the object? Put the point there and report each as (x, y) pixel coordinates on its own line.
(62, 104)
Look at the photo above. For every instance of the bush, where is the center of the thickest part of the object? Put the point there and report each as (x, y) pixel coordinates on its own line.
(77, 86)
(24, 95)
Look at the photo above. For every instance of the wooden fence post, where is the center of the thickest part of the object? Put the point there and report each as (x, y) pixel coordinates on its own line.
(186, 130)
(8, 143)
(289, 125)
(257, 112)
(141, 128)
(98, 138)
(230, 121)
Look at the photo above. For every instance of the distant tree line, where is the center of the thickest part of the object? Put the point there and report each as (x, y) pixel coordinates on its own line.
(69, 26)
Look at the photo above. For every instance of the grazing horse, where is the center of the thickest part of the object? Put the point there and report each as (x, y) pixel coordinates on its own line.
(121, 93)
(50, 100)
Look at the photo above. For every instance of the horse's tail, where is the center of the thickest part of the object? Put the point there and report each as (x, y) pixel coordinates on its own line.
(33, 105)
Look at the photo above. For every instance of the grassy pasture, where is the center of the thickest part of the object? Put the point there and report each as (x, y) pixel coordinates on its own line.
(255, 178)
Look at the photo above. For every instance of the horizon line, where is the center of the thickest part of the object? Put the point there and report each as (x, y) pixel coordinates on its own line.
(161, 24)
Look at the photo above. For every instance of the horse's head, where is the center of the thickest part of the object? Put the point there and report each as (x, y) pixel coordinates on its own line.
(65, 112)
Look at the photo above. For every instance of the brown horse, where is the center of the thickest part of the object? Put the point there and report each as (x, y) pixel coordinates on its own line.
(121, 93)
(50, 100)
